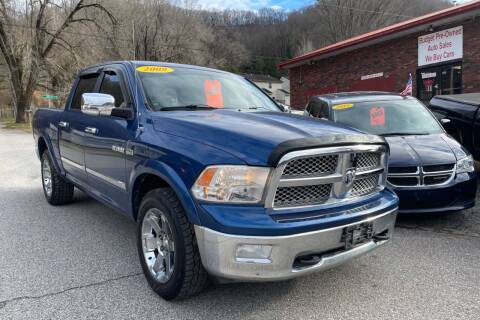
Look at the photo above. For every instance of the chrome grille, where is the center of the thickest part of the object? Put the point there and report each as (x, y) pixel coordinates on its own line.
(368, 161)
(327, 175)
(303, 195)
(311, 166)
(364, 185)
(422, 176)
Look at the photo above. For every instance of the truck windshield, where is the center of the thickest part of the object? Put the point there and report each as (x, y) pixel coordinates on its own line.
(180, 88)
(394, 117)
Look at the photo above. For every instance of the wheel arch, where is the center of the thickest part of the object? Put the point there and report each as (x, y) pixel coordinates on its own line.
(154, 174)
(41, 146)
(44, 144)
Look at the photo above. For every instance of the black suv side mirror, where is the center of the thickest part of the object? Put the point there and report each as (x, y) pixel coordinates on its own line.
(446, 123)
(283, 107)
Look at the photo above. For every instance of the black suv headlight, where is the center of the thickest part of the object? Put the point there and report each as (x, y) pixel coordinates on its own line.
(466, 165)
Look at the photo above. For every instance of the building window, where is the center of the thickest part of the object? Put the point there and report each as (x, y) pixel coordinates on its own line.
(444, 79)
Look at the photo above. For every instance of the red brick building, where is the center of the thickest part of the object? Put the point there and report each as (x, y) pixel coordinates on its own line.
(441, 50)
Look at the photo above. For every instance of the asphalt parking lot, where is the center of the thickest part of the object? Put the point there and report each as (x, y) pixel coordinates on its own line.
(80, 261)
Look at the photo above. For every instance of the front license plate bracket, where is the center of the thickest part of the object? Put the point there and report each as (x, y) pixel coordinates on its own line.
(356, 235)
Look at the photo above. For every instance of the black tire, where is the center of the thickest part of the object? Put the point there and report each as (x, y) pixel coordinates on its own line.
(61, 190)
(188, 277)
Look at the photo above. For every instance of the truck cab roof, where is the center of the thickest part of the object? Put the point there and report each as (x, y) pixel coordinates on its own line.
(466, 98)
(136, 64)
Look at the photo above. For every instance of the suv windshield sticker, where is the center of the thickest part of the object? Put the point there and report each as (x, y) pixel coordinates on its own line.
(342, 106)
(377, 116)
(213, 93)
(154, 69)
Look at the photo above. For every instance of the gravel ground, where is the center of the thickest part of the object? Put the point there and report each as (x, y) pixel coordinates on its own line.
(79, 262)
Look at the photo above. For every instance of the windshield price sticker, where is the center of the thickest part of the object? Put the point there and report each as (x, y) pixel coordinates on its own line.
(154, 69)
(213, 93)
(342, 106)
(377, 116)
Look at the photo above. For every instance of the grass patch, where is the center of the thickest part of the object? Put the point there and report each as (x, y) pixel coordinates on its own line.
(10, 124)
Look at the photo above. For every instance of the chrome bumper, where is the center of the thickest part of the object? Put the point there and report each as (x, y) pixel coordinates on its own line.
(218, 251)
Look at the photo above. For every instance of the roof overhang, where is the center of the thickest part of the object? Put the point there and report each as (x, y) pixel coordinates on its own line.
(412, 26)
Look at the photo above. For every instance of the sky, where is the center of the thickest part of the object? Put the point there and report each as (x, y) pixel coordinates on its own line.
(286, 5)
(254, 4)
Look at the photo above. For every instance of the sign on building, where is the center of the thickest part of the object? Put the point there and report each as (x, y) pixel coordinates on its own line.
(440, 46)
(371, 76)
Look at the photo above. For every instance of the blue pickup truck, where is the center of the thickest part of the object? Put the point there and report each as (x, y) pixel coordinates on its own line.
(222, 184)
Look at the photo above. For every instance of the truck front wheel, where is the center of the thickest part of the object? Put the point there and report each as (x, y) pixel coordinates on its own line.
(167, 247)
(57, 191)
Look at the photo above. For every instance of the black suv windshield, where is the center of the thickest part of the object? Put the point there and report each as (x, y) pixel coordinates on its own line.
(393, 117)
(180, 88)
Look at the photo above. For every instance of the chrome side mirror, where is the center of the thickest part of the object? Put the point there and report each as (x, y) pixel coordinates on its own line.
(97, 104)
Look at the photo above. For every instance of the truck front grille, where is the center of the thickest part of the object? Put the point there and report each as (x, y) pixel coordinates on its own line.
(311, 166)
(365, 185)
(326, 176)
(421, 176)
(303, 195)
(368, 161)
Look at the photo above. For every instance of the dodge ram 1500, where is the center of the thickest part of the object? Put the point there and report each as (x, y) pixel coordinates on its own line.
(221, 183)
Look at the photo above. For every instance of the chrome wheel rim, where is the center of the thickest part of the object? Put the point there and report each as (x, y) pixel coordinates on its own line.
(158, 245)
(47, 177)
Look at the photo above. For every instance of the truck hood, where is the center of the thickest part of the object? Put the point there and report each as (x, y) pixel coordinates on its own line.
(423, 150)
(255, 136)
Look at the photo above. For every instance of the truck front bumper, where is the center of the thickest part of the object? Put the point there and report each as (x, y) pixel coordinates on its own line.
(257, 258)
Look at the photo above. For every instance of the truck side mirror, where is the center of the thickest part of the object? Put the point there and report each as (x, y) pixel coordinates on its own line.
(97, 104)
(125, 113)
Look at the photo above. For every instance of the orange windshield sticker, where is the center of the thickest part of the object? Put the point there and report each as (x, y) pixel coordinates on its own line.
(154, 69)
(213, 93)
(377, 116)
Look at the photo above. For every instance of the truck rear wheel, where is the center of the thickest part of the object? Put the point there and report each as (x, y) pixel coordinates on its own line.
(57, 191)
(167, 247)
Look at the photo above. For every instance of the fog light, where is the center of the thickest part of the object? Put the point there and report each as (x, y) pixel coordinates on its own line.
(253, 253)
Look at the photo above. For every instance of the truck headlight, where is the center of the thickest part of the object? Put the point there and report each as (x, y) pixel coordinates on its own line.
(466, 165)
(233, 184)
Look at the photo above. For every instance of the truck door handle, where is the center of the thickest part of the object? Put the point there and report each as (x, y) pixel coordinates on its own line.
(91, 130)
(63, 124)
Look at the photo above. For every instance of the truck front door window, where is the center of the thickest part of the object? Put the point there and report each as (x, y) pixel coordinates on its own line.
(86, 84)
(111, 85)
